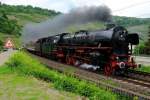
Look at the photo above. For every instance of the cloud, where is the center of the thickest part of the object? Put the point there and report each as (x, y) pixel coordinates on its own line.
(80, 3)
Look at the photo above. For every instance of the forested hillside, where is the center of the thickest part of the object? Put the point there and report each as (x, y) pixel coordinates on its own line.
(130, 21)
(13, 18)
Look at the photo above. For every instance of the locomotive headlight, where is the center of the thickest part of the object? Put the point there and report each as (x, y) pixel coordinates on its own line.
(121, 36)
(117, 58)
(122, 65)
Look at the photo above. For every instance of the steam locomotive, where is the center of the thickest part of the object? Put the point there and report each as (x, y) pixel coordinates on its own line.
(108, 50)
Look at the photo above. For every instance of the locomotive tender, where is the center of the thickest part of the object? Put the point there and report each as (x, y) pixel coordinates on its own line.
(108, 50)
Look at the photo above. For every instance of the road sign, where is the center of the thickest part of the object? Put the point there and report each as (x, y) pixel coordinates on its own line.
(9, 44)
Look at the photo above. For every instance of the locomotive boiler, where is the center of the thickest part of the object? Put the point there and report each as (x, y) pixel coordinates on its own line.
(108, 50)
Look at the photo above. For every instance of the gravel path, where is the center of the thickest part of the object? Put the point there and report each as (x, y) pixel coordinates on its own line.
(4, 56)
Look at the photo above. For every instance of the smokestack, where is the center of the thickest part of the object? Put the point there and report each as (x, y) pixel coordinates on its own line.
(61, 22)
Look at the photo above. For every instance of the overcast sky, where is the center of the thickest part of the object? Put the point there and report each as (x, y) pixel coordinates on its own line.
(136, 8)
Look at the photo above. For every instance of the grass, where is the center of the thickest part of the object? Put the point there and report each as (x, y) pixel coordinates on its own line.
(144, 69)
(27, 66)
(24, 18)
(14, 86)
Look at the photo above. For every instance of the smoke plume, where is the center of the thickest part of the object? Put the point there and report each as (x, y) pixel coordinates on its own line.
(61, 22)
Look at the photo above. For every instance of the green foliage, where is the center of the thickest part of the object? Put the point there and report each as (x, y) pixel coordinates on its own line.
(20, 87)
(27, 9)
(139, 49)
(24, 64)
(144, 69)
(147, 43)
(130, 21)
(13, 18)
(25, 18)
(9, 26)
(1, 44)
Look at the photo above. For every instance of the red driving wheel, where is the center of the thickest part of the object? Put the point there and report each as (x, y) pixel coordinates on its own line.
(68, 60)
(108, 70)
(73, 60)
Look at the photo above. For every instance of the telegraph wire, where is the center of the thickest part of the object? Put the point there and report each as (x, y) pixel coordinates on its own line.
(131, 6)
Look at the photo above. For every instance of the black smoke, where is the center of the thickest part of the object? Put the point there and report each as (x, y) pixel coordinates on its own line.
(61, 22)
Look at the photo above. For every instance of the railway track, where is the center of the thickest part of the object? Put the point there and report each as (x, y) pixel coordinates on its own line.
(120, 86)
(137, 82)
(136, 77)
(143, 76)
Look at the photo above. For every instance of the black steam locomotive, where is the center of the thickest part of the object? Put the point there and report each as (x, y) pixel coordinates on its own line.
(108, 50)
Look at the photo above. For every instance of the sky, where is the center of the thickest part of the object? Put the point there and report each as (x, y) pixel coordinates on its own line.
(131, 8)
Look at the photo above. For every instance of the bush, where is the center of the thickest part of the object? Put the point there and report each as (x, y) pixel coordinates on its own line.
(139, 49)
(1, 44)
(68, 84)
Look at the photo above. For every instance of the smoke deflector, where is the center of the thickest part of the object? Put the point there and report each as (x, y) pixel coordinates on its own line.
(133, 38)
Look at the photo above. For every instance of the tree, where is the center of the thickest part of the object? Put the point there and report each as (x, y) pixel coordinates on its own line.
(1, 44)
(9, 26)
(147, 44)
